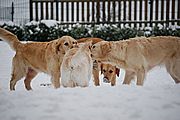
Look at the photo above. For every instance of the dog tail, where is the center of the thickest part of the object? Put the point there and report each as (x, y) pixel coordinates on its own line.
(10, 38)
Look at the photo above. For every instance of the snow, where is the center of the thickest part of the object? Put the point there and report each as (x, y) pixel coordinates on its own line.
(32, 23)
(10, 23)
(48, 23)
(158, 99)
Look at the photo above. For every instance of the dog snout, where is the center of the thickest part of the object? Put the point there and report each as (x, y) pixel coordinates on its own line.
(75, 46)
(105, 79)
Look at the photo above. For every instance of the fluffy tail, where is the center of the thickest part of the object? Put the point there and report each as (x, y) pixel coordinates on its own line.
(10, 38)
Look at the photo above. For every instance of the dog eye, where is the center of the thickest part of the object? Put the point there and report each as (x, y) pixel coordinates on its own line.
(74, 42)
(93, 46)
(110, 71)
(104, 70)
(66, 44)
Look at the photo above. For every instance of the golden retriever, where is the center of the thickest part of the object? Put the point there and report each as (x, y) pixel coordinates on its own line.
(138, 55)
(76, 68)
(34, 57)
(97, 65)
(109, 71)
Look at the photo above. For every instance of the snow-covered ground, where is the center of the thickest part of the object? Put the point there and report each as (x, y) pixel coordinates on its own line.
(158, 99)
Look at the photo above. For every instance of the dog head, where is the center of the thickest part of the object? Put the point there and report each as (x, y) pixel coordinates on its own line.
(64, 43)
(109, 71)
(100, 50)
(86, 46)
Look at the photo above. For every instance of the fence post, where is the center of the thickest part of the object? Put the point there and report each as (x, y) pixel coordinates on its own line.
(52, 8)
(12, 12)
(98, 11)
(57, 10)
(162, 10)
(167, 12)
(30, 10)
(178, 16)
(119, 13)
(173, 11)
(151, 12)
(42, 8)
(146, 11)
(135, 13)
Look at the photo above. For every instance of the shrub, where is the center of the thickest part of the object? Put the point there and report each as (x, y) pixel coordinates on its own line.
(41, 31)
(17, 30)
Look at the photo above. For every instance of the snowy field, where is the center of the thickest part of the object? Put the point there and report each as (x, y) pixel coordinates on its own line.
(158, 99)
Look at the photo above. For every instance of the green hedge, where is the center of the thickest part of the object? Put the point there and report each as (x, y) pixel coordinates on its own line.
(42, 32)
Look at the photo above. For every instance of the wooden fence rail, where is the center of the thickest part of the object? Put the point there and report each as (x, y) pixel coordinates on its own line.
(123, 12)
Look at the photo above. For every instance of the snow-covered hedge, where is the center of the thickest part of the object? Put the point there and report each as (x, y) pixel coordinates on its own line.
(47, 30)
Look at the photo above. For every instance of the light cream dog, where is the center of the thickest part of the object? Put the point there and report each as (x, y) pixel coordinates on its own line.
(76, 68)
(34, 57)
(96, 64)
(138, 55)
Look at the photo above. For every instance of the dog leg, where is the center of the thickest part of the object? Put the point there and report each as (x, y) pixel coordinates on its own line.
(29, 76)
(96, 73)
(129, 75)
(113, 82)
(176, 71)
(70, 83)
(173, 68)
(140, 76)
(55, 79)
(14, 79)
(96, 77)
(18, 72)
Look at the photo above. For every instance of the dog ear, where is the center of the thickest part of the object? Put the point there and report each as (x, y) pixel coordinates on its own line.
(105, 48)
(57, 46)
(117, 71)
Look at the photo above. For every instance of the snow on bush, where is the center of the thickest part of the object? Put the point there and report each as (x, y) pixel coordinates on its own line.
(46, 30)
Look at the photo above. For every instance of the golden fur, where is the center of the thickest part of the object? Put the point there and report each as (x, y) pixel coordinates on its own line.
(138, 55)
(34, 57)
(109, 71)
(93, 40)
(97, 65)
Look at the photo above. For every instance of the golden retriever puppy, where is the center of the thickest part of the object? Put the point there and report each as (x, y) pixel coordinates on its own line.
(76, 68)
(97, 65)
(109, 71)
(34, 57)
(138, 55)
